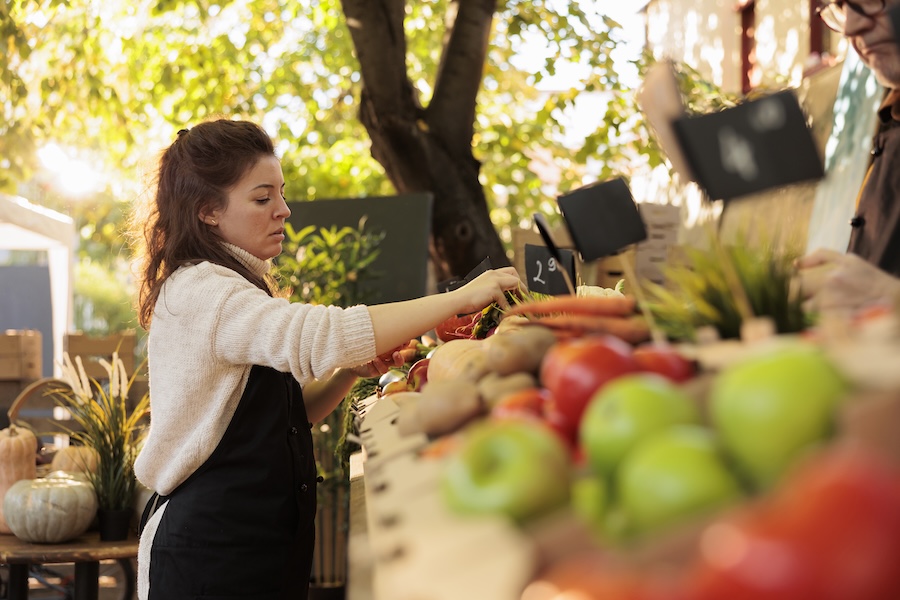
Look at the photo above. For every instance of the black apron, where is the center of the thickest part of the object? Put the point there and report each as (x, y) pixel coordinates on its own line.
(243, 524)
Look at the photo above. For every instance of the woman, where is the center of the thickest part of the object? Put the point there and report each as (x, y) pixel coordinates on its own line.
(237, 373)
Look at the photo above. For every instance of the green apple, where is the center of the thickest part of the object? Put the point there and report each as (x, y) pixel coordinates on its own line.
(673, 475)
(589, 499)
(626, 411)
(771, 408)
(515, 468)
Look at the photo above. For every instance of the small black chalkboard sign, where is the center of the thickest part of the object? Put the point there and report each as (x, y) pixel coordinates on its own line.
(602, 218)
(752, 147)
(544, 269)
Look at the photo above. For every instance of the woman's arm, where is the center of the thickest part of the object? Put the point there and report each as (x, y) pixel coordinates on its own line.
(396, 322)
(322, 396)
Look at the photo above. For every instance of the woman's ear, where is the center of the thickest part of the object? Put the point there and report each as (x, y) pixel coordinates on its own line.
(208, 217)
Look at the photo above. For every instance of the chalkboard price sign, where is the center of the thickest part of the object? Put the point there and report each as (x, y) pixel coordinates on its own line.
(544, 273)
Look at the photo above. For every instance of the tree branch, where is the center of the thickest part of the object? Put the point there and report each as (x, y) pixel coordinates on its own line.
(376, 27)
(451, 113)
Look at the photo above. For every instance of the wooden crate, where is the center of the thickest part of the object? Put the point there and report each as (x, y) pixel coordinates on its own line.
(20, 355)
(92, 349)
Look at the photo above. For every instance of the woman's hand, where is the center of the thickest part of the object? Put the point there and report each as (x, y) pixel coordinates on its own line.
(385, 362)
(396, 322)
(831, 280)
(488, 287)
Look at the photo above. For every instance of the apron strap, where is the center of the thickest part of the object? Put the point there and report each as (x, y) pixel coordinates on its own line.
(152, 506)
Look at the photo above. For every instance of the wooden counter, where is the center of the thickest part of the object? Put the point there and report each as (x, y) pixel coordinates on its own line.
(405, 544)
(86, 552)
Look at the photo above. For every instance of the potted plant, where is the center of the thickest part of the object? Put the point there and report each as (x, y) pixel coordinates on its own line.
(105, 423)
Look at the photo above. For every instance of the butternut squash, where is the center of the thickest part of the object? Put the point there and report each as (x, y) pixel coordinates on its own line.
(458, 360)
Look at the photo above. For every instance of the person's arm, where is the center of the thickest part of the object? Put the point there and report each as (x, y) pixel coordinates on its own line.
(322, 396)
(396, 322)
(831, 280)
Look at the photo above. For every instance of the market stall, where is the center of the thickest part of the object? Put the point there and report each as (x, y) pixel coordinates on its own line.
(762, 467)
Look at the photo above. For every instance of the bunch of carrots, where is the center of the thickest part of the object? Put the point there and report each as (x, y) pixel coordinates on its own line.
(575, 316)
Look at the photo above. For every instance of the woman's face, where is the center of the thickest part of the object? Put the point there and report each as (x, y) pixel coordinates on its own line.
(253, 218)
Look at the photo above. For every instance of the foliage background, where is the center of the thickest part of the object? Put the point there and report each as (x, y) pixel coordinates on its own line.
(112, 82)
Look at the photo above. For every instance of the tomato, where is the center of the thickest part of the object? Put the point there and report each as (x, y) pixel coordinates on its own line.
(559, 421)
(831, 532)
(457, 327)
(844, 508)
(536, 404)
(572, 370)
(527, 403)
(751, 556)
(588, 576)
(665, 361)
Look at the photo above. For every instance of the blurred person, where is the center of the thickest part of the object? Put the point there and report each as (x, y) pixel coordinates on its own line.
(875, 234)
(238, 373)
(843, 281)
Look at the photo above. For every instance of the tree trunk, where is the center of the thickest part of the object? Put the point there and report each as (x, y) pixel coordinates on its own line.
(429, 150)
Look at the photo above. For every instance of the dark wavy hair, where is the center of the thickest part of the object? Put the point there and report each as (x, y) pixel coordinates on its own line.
(194, 175)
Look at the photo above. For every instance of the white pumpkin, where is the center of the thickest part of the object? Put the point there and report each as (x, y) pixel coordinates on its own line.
(50, 510)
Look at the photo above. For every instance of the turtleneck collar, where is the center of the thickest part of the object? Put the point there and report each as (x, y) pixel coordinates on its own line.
(255, 265)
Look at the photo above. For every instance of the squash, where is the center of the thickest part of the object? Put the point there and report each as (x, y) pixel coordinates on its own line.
(50, 510)
(75, 459)
(458, 360)
(18, 450)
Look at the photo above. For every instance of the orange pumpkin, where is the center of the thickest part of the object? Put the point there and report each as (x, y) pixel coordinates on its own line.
(18, 447)
(75, 459)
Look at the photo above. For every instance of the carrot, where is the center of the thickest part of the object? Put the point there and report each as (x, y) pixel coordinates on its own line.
(580, 305)
(632, 330)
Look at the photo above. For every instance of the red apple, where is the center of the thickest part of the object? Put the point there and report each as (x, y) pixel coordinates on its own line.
(417, 376)
(665, 361)
(573, 370)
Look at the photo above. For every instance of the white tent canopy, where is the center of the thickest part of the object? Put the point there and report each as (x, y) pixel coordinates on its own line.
(26, 226)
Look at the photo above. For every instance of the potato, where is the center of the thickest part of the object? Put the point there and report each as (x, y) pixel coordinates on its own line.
(518, 350)
(494, 386)
(408, 419)
(445, 406)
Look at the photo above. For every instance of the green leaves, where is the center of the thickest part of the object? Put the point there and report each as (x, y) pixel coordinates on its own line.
(698, 292)
(108, 426)
(330, 265)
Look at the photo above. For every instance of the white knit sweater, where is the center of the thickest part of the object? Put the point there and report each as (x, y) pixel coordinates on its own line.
(210, 326)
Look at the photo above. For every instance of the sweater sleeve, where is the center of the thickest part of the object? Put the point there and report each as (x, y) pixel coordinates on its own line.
(247, 326)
